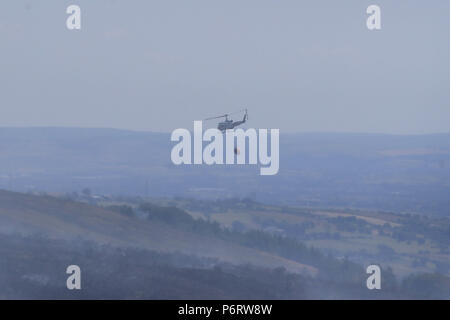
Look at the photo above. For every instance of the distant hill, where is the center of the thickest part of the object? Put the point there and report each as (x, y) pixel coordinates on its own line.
(372, 171)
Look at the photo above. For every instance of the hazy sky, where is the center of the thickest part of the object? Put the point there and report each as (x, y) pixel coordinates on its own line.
(159, 65)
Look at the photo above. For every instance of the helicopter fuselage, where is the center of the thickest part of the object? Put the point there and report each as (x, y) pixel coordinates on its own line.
(225, 125)
(230, 124)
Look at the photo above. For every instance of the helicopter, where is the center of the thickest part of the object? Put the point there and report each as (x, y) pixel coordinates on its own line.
(229, 124)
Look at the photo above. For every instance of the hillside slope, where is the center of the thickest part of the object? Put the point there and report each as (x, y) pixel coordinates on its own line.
(65, 219)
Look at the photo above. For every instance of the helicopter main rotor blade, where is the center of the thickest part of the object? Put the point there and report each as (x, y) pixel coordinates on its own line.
(225, 115)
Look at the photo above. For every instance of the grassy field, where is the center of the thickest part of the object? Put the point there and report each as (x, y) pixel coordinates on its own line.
(372, 239)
